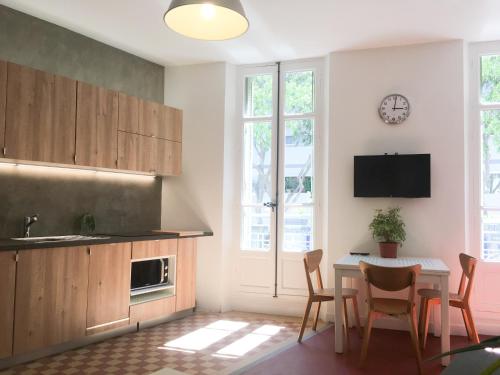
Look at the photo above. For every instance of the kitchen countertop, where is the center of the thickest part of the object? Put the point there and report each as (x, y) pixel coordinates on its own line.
(8, 244)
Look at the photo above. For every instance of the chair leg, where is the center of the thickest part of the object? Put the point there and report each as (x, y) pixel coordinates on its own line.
(412, 320)
(475, 337)
(427, 314)
(304, 320)
(346, 324)
(366, 336)
(317, 316)
(356, 315)
(466, 323)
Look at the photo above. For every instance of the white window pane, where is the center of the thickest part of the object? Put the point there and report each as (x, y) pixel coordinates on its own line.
(299, 161)
(256, 231)
(491, 235)
(259, 95)
(299, 92)
(490, 79)
(257, 187)
(298, 229)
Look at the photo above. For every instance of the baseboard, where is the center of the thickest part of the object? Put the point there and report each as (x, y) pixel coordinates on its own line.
(267, 304)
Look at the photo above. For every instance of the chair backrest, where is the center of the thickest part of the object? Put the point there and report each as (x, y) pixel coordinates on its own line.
(468, 264)
(312, 260)
(390, 279)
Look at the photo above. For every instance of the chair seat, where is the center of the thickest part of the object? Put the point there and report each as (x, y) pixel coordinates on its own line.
(330, 292)
(391, 306)
(436, 294)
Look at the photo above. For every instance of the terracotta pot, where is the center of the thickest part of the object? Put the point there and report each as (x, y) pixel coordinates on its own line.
(388, 249)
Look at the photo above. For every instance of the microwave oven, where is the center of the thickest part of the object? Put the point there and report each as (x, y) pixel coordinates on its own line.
(149, 275)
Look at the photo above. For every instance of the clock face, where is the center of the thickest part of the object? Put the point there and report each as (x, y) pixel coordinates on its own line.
(394, 109)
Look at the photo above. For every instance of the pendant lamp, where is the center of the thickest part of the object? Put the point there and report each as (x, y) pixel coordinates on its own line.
(207, 19)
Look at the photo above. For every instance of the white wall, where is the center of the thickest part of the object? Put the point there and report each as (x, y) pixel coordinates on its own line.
(194, 200)
(431, 76)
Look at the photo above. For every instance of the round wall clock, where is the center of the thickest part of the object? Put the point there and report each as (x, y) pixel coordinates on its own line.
(394, 109)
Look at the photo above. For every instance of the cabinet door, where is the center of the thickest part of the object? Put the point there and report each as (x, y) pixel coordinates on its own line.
(3, 101)
(171, 124)
(136, 152)
(40, 117)
(152, 310)
(109, 286)
(128, 119)
(168, 157)
(154, 249)
(96, 126)
(7, 291)
(51, 297)
(186, 274)
(149, 118)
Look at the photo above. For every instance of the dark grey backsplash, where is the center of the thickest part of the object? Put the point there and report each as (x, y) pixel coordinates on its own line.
(60, 196)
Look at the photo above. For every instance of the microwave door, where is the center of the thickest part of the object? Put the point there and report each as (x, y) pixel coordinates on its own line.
(146, 274)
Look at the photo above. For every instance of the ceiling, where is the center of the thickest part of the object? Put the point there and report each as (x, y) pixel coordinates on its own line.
(279, 29)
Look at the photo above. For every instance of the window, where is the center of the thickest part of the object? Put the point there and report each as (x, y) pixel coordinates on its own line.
(489, 115)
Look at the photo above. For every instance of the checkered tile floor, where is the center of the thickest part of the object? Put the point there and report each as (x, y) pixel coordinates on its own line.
(199, 344)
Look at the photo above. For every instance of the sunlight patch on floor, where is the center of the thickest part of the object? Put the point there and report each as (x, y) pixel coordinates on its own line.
(243, 345)
(204, 337)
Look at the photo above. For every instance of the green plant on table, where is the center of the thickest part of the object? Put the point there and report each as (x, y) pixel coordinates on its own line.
(388, 226)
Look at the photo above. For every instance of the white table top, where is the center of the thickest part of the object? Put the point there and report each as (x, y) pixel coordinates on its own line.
(429, 265)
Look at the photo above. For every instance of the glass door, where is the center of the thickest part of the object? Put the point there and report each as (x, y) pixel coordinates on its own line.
(278, 194)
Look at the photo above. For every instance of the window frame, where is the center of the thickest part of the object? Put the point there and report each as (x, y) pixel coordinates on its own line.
(475, 147)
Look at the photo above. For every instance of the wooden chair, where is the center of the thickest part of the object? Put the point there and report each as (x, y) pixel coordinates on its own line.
(312, 260)
(430, 297)
(392, 280)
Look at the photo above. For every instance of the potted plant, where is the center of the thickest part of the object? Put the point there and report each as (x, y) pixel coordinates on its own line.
(388, 229)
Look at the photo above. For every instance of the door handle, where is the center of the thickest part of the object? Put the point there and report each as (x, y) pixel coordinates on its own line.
(271, 205)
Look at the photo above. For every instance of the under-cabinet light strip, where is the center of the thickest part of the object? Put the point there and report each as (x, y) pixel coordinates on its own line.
(56, 168)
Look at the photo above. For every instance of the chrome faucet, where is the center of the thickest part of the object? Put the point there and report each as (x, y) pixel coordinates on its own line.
(28, 222)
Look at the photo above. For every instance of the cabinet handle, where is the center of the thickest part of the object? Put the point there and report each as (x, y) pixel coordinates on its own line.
(5, 151)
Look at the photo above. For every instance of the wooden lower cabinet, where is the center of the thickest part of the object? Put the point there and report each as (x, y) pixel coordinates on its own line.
(7, 293)
(152, 309)
(109, 287)
(51, 297)
(186, 274)
(154, 249)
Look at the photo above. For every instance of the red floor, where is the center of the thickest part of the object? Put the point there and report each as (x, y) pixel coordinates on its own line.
(390, 352)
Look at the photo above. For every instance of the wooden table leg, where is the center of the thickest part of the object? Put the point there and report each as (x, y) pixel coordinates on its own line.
(445, 320)
(339, 342)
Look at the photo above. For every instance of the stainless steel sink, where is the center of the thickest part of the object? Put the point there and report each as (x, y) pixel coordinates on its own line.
(59, 238)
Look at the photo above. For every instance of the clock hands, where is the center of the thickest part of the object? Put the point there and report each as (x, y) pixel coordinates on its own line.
(395, 100)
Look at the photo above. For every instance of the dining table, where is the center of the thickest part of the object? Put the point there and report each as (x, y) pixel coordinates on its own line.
(434, 271)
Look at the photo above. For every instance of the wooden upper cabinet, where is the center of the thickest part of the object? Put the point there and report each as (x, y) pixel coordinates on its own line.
(96, 126)
(150, 118)
(136, 152)
(168, 157)
(7, 292)
(40, 116)
(3, 101)
(109, 286)
(128, 107)
(186, 274)
(171, 124)
(51, 297)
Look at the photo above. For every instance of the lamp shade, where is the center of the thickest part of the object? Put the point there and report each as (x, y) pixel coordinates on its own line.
(207, 19)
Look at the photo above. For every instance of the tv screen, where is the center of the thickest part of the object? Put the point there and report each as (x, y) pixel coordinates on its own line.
(405, 176)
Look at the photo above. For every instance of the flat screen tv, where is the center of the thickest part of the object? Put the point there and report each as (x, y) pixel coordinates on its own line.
(405, 176)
